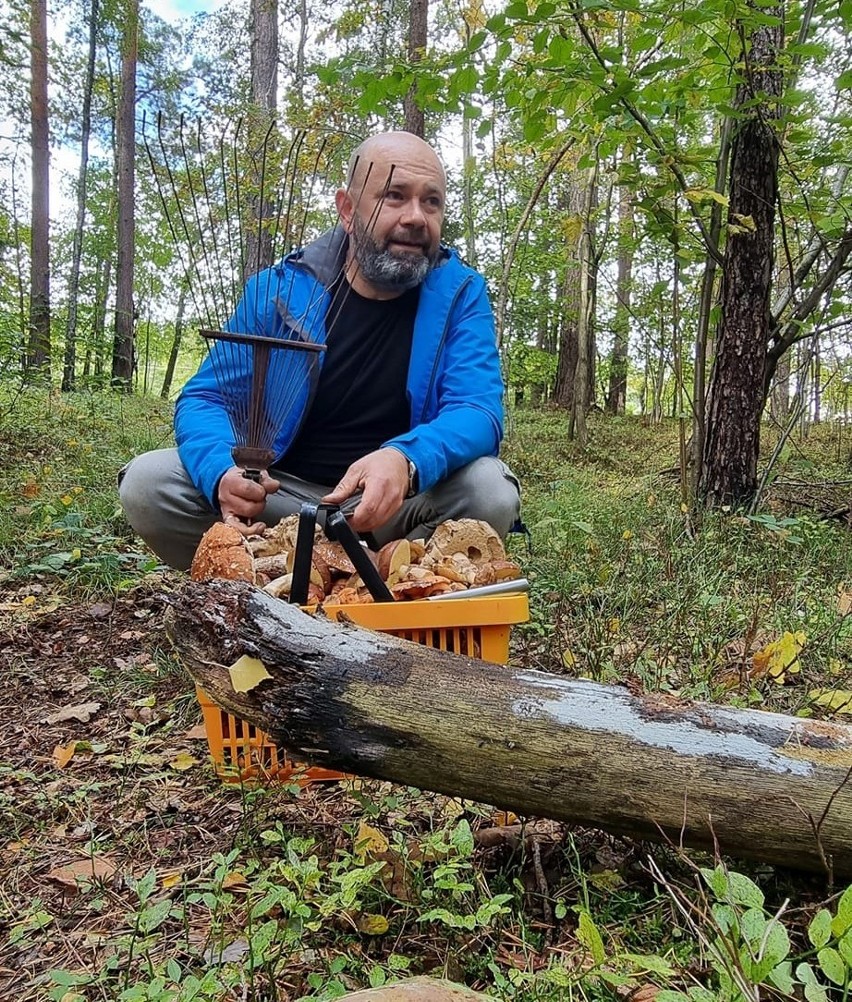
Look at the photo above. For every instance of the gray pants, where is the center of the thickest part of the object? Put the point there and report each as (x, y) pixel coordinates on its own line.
(171, 515)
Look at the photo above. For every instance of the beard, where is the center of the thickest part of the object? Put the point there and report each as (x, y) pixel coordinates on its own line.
(393, 272)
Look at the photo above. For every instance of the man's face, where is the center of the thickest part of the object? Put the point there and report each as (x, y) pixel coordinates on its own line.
(396, 217)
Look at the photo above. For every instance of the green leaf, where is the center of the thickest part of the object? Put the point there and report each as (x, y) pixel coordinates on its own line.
(845, 948)
(843, 918)
(649, 963)
(819, 930)
(782, 978)
(832, 965)
(844, 81)
(590, 937)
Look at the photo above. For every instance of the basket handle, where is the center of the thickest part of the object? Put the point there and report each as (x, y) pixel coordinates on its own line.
(339, 530)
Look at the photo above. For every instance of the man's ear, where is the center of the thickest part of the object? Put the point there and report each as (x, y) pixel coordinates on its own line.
(345, 208)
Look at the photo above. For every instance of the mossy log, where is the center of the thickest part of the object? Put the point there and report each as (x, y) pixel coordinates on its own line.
(754, 784)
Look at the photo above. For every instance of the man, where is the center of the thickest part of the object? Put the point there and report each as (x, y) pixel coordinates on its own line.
(403, 426)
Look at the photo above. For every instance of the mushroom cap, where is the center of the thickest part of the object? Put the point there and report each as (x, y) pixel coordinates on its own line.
(222, 553)
(476, 539)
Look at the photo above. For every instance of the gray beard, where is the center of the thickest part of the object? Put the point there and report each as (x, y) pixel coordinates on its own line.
(385, 270)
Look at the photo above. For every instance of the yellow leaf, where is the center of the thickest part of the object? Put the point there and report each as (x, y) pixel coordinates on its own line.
(627, 535)
(76, 554)
(246, 673)
(652, 500)
(372, 925)
(369, 841)
(171, 880)
(29, 600)
(62, 754)
(614, 625)
(746, 222)
(836, 700)
(66, 499)
(568, 659)
(780, 657)
(706, 194)
(234, 879)
(183, 761)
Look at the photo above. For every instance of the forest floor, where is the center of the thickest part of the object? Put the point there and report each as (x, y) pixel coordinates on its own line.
(129, 871)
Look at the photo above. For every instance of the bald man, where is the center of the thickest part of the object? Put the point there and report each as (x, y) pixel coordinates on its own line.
(403, 422)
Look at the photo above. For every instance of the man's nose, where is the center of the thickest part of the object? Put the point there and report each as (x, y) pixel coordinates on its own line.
(413, 214)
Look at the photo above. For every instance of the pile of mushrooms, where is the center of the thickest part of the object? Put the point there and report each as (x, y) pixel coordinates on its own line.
(462, 553)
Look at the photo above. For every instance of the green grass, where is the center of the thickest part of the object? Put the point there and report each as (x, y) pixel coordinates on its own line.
(626, 587)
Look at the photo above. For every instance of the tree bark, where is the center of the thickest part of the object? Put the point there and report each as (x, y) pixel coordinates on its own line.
(264, 94)
(123, 345)
(756, 784)
(38, 348)
(68, 371)
(616, 399)
(418, 20)
(737, 395)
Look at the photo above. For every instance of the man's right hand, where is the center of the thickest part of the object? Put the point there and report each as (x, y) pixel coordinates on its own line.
(242, 500)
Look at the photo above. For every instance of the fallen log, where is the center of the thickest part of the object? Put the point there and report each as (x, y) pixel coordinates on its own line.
(751, 783)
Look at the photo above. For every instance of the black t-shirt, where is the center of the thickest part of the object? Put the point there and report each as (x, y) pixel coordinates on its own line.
(360, 400)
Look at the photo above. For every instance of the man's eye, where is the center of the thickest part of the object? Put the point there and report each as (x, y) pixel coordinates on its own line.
(393, 196)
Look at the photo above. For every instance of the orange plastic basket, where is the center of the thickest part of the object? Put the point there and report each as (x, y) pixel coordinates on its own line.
(473, 627)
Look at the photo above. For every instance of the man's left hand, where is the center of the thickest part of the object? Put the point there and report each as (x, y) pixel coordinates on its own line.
(382, 477)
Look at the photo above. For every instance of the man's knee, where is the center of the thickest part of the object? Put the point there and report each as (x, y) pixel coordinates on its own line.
(485, 489)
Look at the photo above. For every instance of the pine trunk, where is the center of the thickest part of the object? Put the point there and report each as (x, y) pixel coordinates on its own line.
(736, 398)
(123, 345)
(38, 348)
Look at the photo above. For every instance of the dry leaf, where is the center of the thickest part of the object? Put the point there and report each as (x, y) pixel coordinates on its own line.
(62, 754)
(844, 601)
(183, 761)
(82, 871)
(171, 880)
(197, 733)
(369, 841)
(83, 712)
(234, 879)
(780, 657)
(246, 673)
(372, 925)
(836, 700)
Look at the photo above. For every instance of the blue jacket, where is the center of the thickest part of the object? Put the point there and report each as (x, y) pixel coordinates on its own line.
(454, 383)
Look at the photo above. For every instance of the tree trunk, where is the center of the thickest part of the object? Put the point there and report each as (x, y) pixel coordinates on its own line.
(706, 303)
(418, 20)
(123, 346)
(616, 398)
(38, 348)
(68, 375)
(264, 95)
(178, 335)
(755, 784)
(737, 396)
(584, 371)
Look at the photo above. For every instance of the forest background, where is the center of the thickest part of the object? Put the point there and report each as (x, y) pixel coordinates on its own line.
(658, 196)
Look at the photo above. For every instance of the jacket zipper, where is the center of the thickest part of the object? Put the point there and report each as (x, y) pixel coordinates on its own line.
(434, 374)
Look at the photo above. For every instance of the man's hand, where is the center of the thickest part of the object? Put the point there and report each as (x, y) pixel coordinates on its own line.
(241, 500)
(382, 476)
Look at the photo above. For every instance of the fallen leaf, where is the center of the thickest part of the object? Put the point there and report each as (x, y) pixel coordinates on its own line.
(504, 818)
(31, 489)
(780, 657)
(82, 871)
(844, 601)
(246, 673)
(836, 700)
(369, 840)
(372, 925)
(234, 879)
(171, 880)
(183, 761)
(82, 712)
(197, 733)
(62, 754)
(100, 610)
(217, 954)
(644, 993)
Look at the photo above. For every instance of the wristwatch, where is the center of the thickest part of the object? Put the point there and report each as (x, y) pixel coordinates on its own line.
(412, 479)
